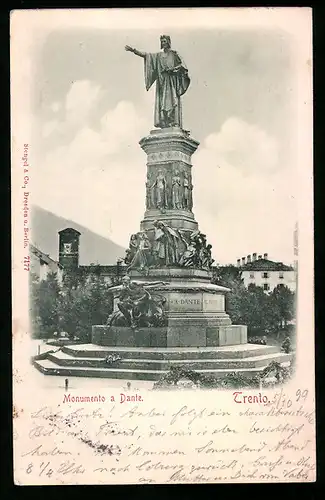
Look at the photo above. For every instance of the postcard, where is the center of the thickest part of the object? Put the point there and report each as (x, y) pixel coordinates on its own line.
(162, 246)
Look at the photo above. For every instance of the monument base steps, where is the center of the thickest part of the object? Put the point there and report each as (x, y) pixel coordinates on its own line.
(89, 360)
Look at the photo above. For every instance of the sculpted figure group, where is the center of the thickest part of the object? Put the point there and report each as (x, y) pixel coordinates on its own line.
(138, 306)
(174, 194)
(168, 247)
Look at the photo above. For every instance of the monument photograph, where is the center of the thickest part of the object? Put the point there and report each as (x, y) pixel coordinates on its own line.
(162, 246)
(168, 313)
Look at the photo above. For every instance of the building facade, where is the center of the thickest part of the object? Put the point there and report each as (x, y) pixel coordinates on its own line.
(69, 244)
(41, 264)
(259, 270)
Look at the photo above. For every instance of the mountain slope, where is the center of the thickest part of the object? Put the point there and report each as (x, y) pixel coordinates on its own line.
(93, 247)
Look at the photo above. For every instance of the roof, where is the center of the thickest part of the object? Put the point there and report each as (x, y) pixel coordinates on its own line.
(43, 256)
(69, 230)
(265, 265)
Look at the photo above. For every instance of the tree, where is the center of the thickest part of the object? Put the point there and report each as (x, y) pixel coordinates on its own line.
(256, 312)
(45, 300)
(84, 305)
(230, 277)
(262, 313)
(227, 276)
(34, 304)
(73, 306)
(284, 299)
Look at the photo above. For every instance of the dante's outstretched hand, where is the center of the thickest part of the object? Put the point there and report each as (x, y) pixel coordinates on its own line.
(128, 48)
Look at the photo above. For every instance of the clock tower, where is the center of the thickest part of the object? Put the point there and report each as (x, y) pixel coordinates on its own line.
(69, 248)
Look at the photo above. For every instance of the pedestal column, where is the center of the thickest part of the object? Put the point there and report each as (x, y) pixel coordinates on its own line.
(169, 188)
(171, 256)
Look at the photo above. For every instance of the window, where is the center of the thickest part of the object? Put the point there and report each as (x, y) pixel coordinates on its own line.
(265, 275)
(281, 276)
(251, 275)
(266, 287)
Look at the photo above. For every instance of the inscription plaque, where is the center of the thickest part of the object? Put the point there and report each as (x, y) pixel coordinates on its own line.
(205, 302)
(185, 302)
(213, 302)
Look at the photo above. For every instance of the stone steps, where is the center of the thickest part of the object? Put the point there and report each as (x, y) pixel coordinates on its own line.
(64, 359)
(170, 353)
(49, 367)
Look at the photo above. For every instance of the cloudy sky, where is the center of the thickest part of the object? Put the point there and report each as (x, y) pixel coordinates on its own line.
(90, 110)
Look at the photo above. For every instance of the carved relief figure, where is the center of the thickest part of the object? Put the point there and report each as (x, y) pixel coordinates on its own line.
(150, 202)
(188, 259)
(197, 253)
(187, 192)
(177, 194)
(195, 239)
(131, 296)
(168, 70)
(158, 191)
(170, 247)
(142, 257)
(137, 306)
(206, 257)
(166, 245)
(131, 251)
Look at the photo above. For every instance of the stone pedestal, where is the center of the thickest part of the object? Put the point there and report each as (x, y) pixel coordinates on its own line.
(195, 309)
(195, 314)
(169, 151)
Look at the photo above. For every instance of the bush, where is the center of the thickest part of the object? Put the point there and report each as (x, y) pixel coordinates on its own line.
(263, 313)
(44, 305)
(72, 306)
(230, 381)
(286, 345)
(257, 340)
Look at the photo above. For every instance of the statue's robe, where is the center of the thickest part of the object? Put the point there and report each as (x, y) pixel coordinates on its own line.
(142, 257)
(177, 197)
(161, 200)
(169, 86)
(168, 244)
(186, 194)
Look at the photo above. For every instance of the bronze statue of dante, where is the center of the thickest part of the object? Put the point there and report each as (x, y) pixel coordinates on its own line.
(168, 70)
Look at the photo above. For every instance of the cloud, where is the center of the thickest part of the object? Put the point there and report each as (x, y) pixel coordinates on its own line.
(80, 101)
(243, 198)
(55, 107)
(50, 127)
(244, 146)
(116, 126)
(98, 177)
(121, 126)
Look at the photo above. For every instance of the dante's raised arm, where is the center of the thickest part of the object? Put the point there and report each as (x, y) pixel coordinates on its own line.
(135, 51)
